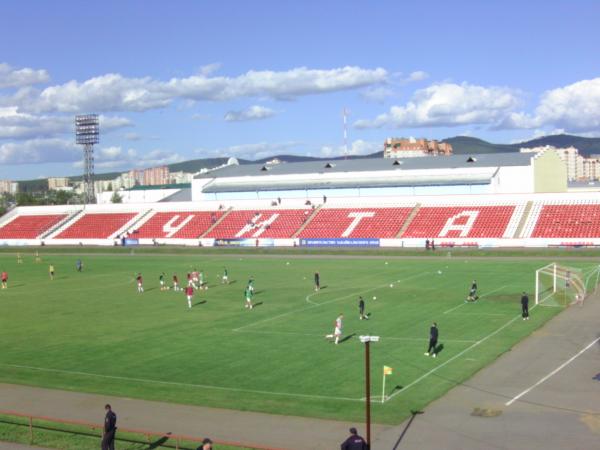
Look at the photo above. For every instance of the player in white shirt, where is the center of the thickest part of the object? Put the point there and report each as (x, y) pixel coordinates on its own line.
(337, 332)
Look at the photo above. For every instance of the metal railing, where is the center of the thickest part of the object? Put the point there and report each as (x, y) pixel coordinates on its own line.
(177, 439)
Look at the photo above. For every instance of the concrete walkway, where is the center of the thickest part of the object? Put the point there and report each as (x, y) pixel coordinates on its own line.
(11, 446)
(562, 412)
(282, 432)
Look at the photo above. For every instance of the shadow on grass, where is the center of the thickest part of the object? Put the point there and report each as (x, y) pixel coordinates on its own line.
(347, 338)
(199, 303)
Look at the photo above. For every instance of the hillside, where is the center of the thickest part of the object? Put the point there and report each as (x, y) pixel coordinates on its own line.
(462, 145)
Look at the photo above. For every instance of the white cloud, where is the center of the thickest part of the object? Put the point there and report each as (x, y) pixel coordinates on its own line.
(377, 94)
(358, 147)
(11, 77)
(19, 125)
(449, 104)
(132, 136)
(575, 108)
(250, 151)
(38, 151)
(255, 112)
(417, 75)
(380, 93)
(114, 92)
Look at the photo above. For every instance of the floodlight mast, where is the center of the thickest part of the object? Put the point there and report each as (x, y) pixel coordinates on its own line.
(87, 133)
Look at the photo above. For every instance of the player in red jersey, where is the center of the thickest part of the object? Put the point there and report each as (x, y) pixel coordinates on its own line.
(4, 279)
(189, 292)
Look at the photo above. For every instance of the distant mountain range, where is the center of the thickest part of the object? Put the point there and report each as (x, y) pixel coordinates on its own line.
(462, 145)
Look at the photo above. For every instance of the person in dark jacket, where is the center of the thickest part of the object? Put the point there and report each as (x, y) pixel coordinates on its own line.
(110, 429)
(317, 281)
(354, 442)
(433, 339)
(525, 306)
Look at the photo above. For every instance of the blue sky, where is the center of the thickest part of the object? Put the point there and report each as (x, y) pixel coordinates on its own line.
(191, 79)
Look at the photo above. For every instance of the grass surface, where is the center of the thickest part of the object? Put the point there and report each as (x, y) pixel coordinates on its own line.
(78, 437)
(93, 332)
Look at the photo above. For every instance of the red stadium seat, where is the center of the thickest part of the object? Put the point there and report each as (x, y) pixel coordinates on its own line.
(180, 224)
(568, 221)
(96, 226)
(29, 227)
(356, 223)
(460, 222)
(260, 224)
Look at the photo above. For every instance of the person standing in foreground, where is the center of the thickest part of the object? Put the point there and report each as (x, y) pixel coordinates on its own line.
(337, 332)
(433, 339)
(225, 278)
(51, 271)
(317, 281)
(4, 279)
(354, 442)
(110, 429)
(525, 306)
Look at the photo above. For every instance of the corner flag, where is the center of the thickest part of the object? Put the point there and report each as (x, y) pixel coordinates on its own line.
(387, 370)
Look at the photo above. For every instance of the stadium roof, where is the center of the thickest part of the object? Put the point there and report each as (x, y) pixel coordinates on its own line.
(373, 164)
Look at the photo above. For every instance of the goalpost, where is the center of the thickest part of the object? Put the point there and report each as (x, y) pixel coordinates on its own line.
(559, 285)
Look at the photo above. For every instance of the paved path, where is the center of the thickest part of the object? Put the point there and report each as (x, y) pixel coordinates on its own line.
(562, 412)
(219, 424)
(11, 446)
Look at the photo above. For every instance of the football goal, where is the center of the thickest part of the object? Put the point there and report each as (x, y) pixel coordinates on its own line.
(560, 285)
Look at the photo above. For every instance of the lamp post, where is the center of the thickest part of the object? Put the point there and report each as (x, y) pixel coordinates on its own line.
(367, 340)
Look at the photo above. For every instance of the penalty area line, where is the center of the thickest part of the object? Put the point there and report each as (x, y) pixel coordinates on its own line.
(554, 372)
(458, 355)
(175, 383)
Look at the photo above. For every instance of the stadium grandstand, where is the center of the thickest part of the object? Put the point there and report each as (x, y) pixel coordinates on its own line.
(491, 200)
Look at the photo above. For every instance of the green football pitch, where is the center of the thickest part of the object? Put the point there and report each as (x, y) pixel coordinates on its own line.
(92, 332)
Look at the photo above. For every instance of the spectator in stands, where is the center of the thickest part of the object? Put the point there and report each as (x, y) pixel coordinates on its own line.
(206, 444)
(354, 442)
(110, 429)
(324, 199)
(279, 200)
(426, 244)
(525, 306)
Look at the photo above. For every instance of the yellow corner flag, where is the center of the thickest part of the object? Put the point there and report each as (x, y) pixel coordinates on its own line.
(387, 370)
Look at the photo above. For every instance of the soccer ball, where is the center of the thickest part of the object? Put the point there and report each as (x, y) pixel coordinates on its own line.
(391, 285)
(439, 272)
(374, 298)
(386, 263)
(287, 263)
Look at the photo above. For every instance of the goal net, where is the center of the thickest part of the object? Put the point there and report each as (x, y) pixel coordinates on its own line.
(559, 285)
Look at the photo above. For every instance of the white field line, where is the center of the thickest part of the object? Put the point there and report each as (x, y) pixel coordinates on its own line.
(484, 295)
(316, 305)
(292, 333)
(458, 355)
(554, 372)
(174, 383)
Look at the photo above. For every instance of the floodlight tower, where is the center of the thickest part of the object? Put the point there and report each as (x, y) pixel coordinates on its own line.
(87, 133)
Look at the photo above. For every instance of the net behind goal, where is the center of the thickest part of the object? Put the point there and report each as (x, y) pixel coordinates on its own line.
(559, 285)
